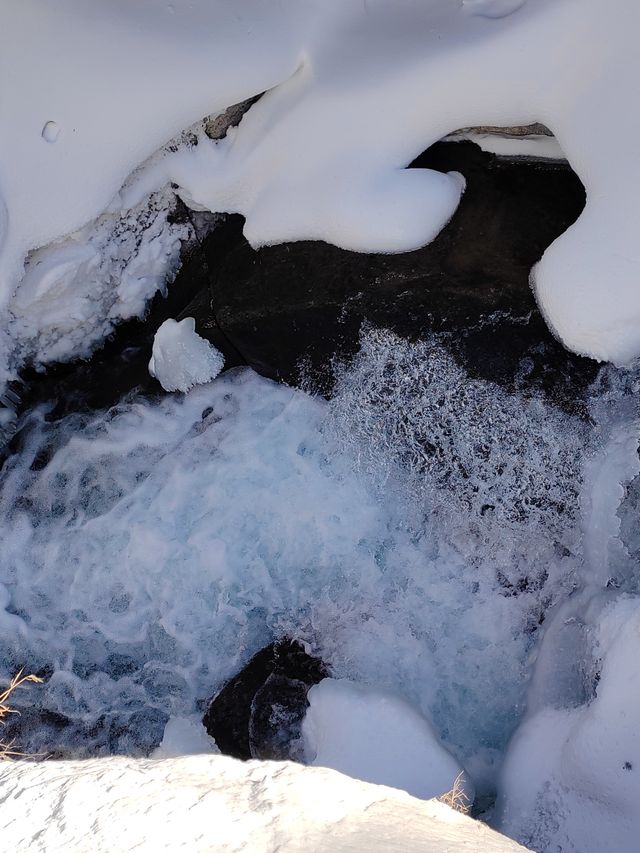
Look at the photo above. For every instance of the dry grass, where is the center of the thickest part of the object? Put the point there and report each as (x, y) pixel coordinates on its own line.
(7, 750)
(457, 798)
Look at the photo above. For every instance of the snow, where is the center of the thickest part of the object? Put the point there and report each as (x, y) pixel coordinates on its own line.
(181, 358)
(75, 291)
(529, 147)
(322, 154)
(468, 555)
(571, 779)
(213, 803)
(377, 737)
(184, 736)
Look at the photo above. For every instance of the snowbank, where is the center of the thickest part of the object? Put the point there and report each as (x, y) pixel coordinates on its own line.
(376, 737)
(571, 779)
(354, 92)
(209, 803)
(180, 358)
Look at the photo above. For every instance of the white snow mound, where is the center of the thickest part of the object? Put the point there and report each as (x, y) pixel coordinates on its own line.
(354, 92)
(213, 803)
(571, 778)
(181, 358)
(377, 737)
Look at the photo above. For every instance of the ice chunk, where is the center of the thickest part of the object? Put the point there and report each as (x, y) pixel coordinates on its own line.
(181, 358)
(184, 736)
(377, 737)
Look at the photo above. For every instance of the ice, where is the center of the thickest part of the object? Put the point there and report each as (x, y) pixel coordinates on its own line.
(377, 737)
(74, 292)
(181, 358)
(184, 736)
(571, 779)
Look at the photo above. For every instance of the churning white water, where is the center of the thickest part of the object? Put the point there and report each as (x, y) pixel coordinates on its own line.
(419, 531)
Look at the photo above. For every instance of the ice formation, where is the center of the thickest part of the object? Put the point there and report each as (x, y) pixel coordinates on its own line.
(207, 803)
(181, 359)
(571, 779)
(354, 92)
(376, 737)
(74, 292)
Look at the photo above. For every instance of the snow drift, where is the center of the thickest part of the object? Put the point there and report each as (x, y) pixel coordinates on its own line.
(353, 93)
(208, 803)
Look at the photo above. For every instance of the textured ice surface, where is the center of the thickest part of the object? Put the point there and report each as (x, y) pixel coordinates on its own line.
(181, 359)
(376, 737)
(417, 544)
(74, 292)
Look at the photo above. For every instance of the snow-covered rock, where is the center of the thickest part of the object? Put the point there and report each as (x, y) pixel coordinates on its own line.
(571, 779)
(213, 803)
(181, 358)
(377, 737)
(322, 154)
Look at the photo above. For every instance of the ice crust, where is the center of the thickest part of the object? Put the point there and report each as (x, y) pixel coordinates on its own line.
(76, 291)
(354, 91)
(180, 358)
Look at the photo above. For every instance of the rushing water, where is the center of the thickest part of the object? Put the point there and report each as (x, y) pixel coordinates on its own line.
(419, 531)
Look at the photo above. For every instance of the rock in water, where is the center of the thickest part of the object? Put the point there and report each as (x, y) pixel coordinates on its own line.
(290, 310)
(259, 712)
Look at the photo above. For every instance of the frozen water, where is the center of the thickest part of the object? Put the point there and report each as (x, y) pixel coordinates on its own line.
(571, 779)
(180, 358)
(74, 292)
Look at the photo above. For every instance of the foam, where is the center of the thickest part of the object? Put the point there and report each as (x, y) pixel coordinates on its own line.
(149, 551)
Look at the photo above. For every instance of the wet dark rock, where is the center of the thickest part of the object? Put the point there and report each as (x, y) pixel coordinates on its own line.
(258, 713)
(290, 309)
(121, 365)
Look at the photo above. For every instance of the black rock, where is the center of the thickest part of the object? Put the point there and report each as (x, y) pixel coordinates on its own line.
(290, 309)
(258, 713)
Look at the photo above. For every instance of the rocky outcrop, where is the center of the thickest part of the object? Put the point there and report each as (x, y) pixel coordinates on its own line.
(291, 309)
(259, 712)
